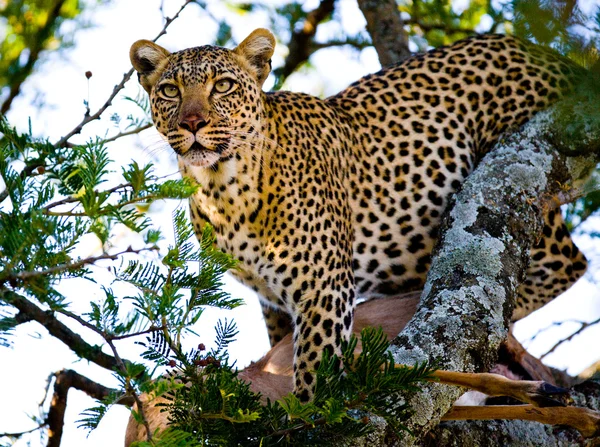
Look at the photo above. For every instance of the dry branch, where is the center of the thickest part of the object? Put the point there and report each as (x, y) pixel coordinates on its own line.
(584, 420)
(516, 433)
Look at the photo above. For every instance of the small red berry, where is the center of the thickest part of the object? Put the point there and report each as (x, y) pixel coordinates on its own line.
(88, 74)
(172, 363)
(201, 347)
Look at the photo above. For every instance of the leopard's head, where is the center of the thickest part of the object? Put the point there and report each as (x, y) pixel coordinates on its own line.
(206, 101)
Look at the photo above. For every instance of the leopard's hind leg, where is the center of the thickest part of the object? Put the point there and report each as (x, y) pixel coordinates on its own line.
(556, 263)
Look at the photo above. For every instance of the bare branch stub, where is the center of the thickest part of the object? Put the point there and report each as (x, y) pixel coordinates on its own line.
(386, 28)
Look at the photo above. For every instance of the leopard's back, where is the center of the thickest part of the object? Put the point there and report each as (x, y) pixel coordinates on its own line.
(421, 127)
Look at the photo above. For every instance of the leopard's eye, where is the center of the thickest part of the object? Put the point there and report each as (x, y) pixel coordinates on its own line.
(169, 91)
(223, 86)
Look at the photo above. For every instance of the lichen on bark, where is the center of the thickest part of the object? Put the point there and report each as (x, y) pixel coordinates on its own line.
(482, 255)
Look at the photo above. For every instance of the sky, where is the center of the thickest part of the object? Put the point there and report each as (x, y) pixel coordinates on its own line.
(104, 50)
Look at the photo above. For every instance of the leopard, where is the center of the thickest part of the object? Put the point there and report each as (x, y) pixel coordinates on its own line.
(328, 201)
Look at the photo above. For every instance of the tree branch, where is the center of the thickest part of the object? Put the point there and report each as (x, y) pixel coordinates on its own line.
(127, 133)
(30, 312)
(386, 28)
(61, 268)
(301, 41)
(65, 380)
(21, 433)
(484, 249)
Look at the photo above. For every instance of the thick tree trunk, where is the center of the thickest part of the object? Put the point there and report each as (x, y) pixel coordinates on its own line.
(386, 28)
(481, 259)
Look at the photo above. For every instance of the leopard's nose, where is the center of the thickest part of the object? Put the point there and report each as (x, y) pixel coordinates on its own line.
(193, 123)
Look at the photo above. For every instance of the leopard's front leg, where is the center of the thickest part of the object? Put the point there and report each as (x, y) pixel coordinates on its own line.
(278, 323)
(323, 317)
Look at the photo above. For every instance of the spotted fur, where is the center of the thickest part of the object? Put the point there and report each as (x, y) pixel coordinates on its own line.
(326, 200)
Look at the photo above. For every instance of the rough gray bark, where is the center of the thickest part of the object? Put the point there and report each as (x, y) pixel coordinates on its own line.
(483, 253)
(386, 28)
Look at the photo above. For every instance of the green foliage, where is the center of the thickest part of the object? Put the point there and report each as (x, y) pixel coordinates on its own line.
(161, 300)
(142, 101)
(56, 197)
(436, 22)
(219, 408)
(91, 417)
(169, 438)
(7, 325)
(53, 197)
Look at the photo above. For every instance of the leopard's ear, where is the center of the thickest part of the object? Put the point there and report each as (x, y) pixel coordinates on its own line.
(148, 59)
(257, 49)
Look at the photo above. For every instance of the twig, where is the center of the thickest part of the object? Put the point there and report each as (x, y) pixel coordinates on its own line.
(121, 205)
(135, 334)
(103, 334)
(547, 328)
(19, 434)
(88, 118)
(127, 133)
(130, 390)
(24, 276)
(584, 326)
(74, 200)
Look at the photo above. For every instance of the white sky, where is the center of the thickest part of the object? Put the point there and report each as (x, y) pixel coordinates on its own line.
(104, 50)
